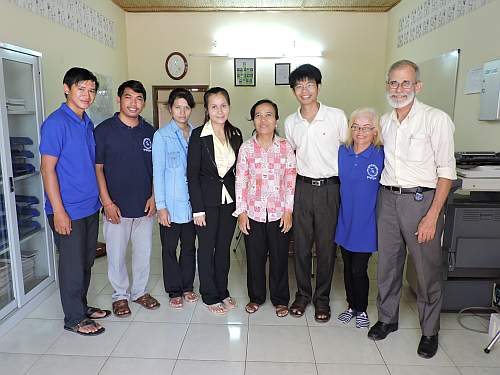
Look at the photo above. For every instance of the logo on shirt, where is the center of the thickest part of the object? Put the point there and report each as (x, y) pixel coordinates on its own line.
(146, 143)
(372, 172)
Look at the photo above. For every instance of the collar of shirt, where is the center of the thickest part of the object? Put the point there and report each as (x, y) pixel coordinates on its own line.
(320, 115)
(121, 123)
(276, 140)
(365, 154)
(173, 128)
(414, 109)
(74, 116)
(207, 130)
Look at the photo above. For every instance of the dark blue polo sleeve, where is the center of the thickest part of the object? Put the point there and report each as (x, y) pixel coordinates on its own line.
(100, 141)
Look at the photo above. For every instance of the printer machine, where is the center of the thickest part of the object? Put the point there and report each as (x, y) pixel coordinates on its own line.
(471, 237)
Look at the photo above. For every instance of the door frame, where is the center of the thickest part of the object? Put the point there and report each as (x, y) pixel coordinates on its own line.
(195, 88)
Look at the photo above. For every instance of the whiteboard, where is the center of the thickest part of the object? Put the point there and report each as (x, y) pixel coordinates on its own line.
(439, 78)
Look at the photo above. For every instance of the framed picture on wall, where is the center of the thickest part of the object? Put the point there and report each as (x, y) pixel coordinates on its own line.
(244, 72)
(281, 74)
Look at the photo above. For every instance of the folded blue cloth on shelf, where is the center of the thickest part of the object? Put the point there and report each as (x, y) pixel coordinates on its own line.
(28, 227)
(22, 154)
(32, 212)
(21, 141)
(20, 169)
(27, 199)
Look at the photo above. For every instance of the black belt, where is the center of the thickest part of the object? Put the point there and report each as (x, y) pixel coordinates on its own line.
(400, 190)
(319, 181)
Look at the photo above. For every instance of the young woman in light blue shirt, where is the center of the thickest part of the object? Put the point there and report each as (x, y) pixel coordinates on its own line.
(170, 147)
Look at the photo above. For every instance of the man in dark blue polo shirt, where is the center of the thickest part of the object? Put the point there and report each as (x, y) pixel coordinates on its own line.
(125, 176)
(72, 200)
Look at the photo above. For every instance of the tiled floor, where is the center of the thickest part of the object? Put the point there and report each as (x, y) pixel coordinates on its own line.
(192, 341)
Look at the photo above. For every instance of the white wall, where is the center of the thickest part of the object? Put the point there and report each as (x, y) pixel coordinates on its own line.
(63, 48)
(352, 65)
(477, 34)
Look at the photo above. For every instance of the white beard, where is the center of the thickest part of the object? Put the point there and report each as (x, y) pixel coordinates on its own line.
(400, 103)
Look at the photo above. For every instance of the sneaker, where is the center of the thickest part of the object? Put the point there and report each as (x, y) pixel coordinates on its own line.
(346, 316)
(362, 320)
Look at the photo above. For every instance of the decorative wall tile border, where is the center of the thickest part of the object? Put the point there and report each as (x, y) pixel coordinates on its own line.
(431, 15)
(76, 15)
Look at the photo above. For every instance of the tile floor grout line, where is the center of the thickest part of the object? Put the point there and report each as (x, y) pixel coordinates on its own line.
(103, 364)
(188, 325)
(121, 337)
(382, 356)
(311, 343)
(40, 356)
(246, 347)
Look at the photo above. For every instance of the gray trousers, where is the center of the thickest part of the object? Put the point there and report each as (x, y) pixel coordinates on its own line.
(398, 216)
(139, 231)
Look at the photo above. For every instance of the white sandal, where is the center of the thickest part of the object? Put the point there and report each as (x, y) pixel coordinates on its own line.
(216, 308)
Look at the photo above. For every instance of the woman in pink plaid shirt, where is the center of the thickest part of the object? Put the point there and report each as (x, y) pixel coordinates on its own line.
(265, 184)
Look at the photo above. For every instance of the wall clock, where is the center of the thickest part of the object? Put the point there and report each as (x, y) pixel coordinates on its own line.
(176, 65)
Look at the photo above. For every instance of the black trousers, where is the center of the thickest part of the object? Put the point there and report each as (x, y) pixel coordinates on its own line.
(314, 221)
(76, 258)
(264, 239)
(214, 241)
(178, 274)
(356, 279)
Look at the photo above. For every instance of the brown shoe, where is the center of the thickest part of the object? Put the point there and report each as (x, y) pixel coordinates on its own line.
(121, 308)
(148, 302)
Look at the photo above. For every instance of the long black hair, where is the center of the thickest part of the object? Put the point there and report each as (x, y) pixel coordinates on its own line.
(230, 131)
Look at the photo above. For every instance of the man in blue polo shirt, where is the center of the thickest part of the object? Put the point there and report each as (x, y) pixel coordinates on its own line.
(125, 176)
(72, 203)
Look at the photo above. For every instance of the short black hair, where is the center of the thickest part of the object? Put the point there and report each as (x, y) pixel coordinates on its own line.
(264, 101)
(135, 86)
(306, 71)
(181, 93)
(76, 74)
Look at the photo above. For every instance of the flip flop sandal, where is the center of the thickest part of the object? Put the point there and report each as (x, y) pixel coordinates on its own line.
(148, 302)
(216, 308)
(121, 308)
(281, 311)
(190, 297)
(85, 323)
(252, 307)
(229, 303)
(95, 310)
(175, 302)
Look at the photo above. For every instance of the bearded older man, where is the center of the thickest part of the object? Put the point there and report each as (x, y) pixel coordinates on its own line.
(418, 169)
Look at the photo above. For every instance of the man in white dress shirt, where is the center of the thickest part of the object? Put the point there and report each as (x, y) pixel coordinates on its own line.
(315, 132)
(418, 171)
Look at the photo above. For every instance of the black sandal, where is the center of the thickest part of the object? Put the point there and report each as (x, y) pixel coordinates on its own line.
(297, 308)
(93, 310)
(85, 323)
(322, 314)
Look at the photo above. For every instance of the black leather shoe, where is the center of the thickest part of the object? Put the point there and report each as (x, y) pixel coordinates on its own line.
(380, 330)
(428, 346)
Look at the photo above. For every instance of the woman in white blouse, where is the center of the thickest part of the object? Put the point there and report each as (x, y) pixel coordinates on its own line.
(212, 153)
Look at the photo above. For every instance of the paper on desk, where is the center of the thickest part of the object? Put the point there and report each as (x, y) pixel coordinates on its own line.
(481, 171)
(474, 81)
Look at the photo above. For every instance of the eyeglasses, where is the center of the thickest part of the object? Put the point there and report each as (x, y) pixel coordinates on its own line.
(405, 84)
(362, 129)
(308, 86)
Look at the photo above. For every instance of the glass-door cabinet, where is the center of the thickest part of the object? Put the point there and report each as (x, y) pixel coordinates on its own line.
(26, 250)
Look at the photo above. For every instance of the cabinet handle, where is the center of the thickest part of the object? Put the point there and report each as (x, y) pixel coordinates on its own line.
(11, 184)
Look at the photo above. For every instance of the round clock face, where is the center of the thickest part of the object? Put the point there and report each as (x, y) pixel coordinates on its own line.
(176, 65)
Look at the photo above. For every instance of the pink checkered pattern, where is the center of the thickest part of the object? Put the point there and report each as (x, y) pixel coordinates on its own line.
(265, 180)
